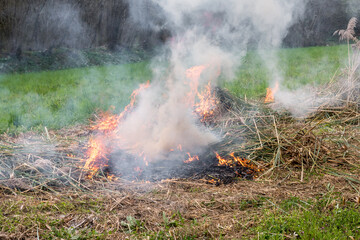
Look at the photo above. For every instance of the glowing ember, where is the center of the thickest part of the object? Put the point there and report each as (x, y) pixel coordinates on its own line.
(270, 93)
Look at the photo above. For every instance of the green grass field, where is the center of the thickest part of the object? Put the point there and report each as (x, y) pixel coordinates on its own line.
(298, 66)
(59, 98)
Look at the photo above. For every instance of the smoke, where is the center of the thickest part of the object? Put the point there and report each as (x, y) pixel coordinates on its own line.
(302, 101)
(208, 33)
(299, 102)
(353, 8)
(46, 24)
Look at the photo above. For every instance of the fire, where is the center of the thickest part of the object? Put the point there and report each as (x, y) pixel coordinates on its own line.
(179, 147)
(236, 160)
(270, 93)
(207, 104)
(111, 177)
(133, 96)
(107, 123)
(138, 169)
(195, 72)
(207, 101)
(97, 156)
(213, 181)
(107, 137)
(98, 149)
(222, 161)
(191, 158)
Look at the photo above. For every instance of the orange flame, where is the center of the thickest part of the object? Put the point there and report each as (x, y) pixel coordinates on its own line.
(138, 169)
(241, 161)
(203, 103)
(111, 177)
(191, 158)
(207, 101)
(179, 147)
(270, 93)
(133, 99)
(107, 122)
(195, 72)
(213, 181)
(207, 104)
(97, 156)
(106, 126)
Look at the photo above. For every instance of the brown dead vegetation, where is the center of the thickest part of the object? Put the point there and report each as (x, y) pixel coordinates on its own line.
(205, 210)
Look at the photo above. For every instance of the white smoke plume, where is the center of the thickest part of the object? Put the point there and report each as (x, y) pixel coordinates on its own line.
(214, 34)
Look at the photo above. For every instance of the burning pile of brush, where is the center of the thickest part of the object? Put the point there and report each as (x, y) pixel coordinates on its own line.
(122, 154)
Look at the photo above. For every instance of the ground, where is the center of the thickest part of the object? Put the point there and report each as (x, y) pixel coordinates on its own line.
(267, 208)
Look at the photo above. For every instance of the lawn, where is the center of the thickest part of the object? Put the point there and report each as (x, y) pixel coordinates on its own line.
(297, 66)
(60, 98)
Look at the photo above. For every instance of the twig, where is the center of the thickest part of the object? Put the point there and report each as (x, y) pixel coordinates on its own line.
(257, 131)
(47, 134)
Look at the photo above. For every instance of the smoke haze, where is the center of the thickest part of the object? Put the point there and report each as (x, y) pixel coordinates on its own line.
(206, 33)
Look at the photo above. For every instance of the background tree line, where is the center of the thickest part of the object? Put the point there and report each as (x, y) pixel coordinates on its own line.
(44, 24)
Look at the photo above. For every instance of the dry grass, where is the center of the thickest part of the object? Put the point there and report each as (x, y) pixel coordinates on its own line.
(42, 161)
(349, 32)
(179, 208)
(330, 135)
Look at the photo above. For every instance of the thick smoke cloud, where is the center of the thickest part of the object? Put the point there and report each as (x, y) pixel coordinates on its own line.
(209, 33)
